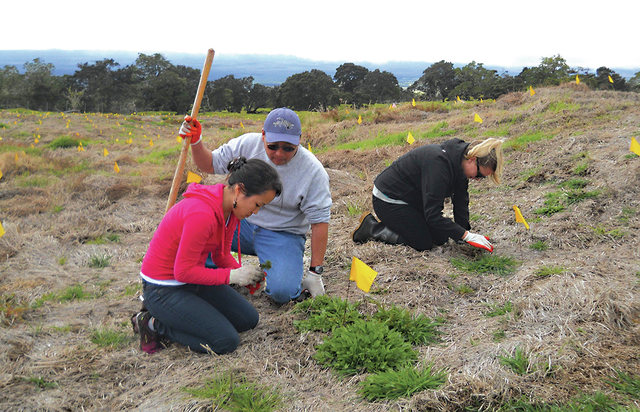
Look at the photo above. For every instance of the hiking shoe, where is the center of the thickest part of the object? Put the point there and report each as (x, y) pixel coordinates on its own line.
(149, 341)
(134, 322)
(364, 232)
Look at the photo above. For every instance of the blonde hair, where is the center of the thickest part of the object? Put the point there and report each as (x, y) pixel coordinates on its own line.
(489, 154)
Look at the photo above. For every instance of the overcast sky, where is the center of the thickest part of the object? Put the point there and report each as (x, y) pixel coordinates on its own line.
(511, 33)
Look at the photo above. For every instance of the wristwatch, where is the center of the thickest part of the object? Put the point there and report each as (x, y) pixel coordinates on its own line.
(317, 269)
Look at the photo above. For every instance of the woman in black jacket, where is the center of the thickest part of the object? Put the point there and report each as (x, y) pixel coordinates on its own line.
(408, 196)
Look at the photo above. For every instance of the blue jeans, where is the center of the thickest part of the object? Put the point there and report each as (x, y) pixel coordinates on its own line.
(198, 316)
(284, 250)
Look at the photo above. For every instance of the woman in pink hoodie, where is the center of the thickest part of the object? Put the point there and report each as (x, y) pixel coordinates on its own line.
(186, 302)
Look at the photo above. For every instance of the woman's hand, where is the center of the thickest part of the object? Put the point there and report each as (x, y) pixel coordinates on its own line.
(245, 275)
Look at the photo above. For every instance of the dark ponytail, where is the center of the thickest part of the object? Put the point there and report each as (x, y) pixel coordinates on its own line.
(254, 176)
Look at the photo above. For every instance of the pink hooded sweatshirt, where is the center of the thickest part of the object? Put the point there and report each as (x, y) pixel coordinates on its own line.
(190, 230)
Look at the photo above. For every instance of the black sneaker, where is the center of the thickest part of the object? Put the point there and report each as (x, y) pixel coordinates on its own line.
(149, 341)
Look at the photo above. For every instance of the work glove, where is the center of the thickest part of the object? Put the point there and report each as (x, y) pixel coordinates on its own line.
(245, 275)
(477, 240)
(191, 128)
(253, 287)
(313, 283)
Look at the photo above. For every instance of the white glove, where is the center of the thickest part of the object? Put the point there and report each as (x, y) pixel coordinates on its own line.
(245, 275)
(313, 283)
(477, 240)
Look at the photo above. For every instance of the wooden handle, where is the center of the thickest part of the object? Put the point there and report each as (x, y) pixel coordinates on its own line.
(177, 177)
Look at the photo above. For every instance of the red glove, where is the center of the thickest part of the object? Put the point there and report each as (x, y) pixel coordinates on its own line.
(191, 128)
(477, 240)
(256, 286)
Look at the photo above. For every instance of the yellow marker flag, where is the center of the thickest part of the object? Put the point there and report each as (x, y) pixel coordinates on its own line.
(151, 142)
(192, 177)
(178, 139)
(390, 107)
(80, 148)
(410, 138)
(241, 125)
(458, 99)
(635, 147)
(0, 174)
(359, 119)
(577, 79)
(16, 157)
(105, 153)
(610, 79)
(115, 167)
(347, 111)
(362, 274)
(2, 232)
(531, 91)
(310, 147)
(519, 217)
(413, 102)
(477, 118)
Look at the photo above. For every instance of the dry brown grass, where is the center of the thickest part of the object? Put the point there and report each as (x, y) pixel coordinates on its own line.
(584, 321)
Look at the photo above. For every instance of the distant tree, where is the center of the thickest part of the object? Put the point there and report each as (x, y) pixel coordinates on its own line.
(152, 65)
(96, 83)
(259, 96)
(380, 86)
(436, 81)
(474, 81)
(307, 91)
(229, 93)
(551, 71)
(602, 78)
(11, 87)
(350, 76)
(634, 82)
(43, 90)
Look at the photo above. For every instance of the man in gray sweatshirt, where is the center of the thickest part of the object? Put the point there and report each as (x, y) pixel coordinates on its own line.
(277, 234)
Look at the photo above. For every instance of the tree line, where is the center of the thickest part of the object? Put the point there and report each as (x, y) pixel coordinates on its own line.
(154, 83)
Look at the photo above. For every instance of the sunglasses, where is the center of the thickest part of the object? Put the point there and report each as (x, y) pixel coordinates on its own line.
(276, 147)
(479, 175)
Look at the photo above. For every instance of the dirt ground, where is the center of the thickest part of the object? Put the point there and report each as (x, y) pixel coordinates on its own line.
(582, 321)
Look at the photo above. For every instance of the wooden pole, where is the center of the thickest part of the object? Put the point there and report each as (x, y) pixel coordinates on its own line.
(177, 177)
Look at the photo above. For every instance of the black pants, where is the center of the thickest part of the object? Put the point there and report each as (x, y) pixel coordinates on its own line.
(409, 223)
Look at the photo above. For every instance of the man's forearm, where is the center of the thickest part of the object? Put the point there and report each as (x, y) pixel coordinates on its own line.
(319, 239)
(202, 157)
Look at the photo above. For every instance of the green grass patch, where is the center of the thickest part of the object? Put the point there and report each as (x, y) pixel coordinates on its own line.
(522, 142)
(548, 270)
(518, 362)
(41, 383)
(381, 140)
(498, 132)
(557, 107)
(109, 338)
(540, 246)
(75, 292)
(499, 310)
(436, 131)
(237, 394)
(99, 262)
(487, 264)
(402, 383)
(626, 383)
(34, 181)
(160, 156)
(574, 184)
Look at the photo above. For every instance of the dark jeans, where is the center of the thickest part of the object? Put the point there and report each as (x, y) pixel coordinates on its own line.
(409, 223)
(198, 316)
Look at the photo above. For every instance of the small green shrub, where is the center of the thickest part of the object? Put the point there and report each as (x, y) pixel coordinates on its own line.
(576, 196)
(99, 262)
(548, 270)
(63, 142)
(365, 347)
(575, 184)
(581, 169)
(326, 314)
(41, 383)
(487, 263)
(626, 383)
(237, 394)
(75, 292)
(518, 362)
(540, 246)
(497, 310)
(402, 383)
(417, 330)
